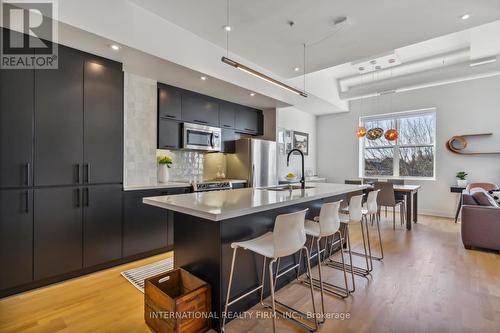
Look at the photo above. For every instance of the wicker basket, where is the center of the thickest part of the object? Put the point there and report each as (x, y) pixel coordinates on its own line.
(177, 301)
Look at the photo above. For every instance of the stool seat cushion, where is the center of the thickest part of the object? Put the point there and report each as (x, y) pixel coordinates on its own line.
(312, 228)
(263, 245)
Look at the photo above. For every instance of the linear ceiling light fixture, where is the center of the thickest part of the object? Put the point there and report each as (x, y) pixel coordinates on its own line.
(262, 76)
(483, 61)
(252, 71)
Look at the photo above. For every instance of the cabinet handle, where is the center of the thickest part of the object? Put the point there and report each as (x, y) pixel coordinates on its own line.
(87, 201)
(201, 121)
(87, 168)
(169, 146)
(249, 129)
(78, 198)
(170, 116)
(27, 202)
(28, 171)
(226, 125)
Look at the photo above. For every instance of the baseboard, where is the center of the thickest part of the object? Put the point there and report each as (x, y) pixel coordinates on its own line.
(435, 213)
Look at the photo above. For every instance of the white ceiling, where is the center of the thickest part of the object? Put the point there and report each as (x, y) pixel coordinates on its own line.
(262, 35)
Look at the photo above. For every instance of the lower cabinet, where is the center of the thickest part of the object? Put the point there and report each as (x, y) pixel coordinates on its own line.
(145, 227)
(16, 237)
(57, 231)
(102, 224)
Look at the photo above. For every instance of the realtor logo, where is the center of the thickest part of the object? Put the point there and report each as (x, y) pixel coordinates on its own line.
(29, 34)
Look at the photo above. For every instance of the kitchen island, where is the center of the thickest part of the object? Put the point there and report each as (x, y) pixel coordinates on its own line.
(206, 223)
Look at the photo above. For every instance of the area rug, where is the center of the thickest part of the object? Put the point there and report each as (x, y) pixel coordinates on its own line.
(137, 275)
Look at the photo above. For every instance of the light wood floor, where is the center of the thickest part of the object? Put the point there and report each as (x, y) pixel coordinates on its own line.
(427, 283)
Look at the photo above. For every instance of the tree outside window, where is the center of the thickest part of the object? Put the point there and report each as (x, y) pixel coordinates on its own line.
(412, 155)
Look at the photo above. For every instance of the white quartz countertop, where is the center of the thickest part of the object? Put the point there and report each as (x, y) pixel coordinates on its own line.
(159, 186)
(221, 205)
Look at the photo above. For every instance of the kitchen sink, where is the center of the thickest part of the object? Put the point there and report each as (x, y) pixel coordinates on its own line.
(287, 188)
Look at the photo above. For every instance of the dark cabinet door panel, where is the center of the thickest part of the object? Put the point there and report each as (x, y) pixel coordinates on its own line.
(228, 144)
(59, 121)
(169, 134)
(247, 120)
(103, 123)
(169, 102)
(58, 231)
(16, 127)
(200, 109)
(16, 237)
(226, 115)
(145, 227)
(102, 224)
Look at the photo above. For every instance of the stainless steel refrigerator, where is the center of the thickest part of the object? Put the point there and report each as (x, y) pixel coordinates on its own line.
(255, 160)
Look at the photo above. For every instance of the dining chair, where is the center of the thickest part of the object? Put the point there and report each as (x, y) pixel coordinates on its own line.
(387, 198)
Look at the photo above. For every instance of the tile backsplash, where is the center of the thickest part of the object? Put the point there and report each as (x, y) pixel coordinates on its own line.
(140, 167)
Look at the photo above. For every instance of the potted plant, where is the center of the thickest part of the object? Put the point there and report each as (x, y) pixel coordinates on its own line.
(164, 163)
(461, 179)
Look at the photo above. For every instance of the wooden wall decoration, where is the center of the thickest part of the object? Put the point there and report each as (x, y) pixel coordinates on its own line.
(458, 143)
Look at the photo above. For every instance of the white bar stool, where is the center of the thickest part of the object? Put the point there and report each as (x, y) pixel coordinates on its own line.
(355, 215)
(371, 210)
(325, 225)
(287, 238)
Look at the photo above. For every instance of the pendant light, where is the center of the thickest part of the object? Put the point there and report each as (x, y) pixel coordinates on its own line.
(252, 71)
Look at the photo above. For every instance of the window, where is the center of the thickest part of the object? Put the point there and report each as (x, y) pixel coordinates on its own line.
(412, 155)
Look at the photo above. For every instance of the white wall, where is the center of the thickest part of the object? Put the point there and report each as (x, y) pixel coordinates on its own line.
(295, 119)
(461, 108)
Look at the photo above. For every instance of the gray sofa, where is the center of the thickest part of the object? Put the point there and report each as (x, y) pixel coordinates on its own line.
(480, 224)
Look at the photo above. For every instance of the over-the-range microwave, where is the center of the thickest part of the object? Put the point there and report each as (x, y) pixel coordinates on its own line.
(201, 137)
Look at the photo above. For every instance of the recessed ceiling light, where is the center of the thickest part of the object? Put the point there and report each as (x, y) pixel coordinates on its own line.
(203, 78)
(252, 94)
(114, 47)
(296, 69)
(391, 61)
(465, 16)
(227, 28)
(361, 68)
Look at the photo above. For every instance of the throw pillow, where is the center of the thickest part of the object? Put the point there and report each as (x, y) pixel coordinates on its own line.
(495, 195)
(482, 197)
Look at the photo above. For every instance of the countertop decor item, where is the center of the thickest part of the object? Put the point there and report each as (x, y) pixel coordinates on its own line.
(461, 178)
(164, 163)
(458, 143)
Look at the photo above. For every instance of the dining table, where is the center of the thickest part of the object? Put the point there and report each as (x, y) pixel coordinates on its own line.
(410, 192)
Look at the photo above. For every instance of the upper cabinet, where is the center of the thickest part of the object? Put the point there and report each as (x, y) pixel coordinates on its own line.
(58, 121)
(200, 109)
(248, 120)
(169, 102)
(226, 114)
(103, 122)
(176, 105)
(16, 123)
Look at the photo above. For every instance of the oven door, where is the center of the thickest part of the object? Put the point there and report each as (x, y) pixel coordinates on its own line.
(199, 137)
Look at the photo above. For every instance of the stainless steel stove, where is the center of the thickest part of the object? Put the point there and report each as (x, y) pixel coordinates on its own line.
(215, 185)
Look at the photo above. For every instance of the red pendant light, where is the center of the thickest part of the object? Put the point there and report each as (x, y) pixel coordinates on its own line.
(391, 135)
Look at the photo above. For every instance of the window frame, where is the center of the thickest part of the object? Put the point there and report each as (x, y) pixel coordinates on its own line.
(397, 116)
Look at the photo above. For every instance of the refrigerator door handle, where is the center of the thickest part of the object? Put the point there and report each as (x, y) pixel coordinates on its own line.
(253, 175)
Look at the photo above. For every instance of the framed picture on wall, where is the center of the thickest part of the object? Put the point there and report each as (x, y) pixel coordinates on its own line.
(301, 142)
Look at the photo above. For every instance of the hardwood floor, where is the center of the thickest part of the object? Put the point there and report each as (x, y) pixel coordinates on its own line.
(427, 283)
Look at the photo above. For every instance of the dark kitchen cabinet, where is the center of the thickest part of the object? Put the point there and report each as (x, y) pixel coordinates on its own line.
(57, 231)
(58, 121)
(169, 134)
(16, 123)
(103, 122)
(228, 139)
(200, 109)
(16, 237)
(169, 102)
(146, 228)
(226, 114)
(102, 224)
(248, 120)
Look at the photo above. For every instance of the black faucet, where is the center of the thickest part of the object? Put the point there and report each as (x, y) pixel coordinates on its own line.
(302, 179)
